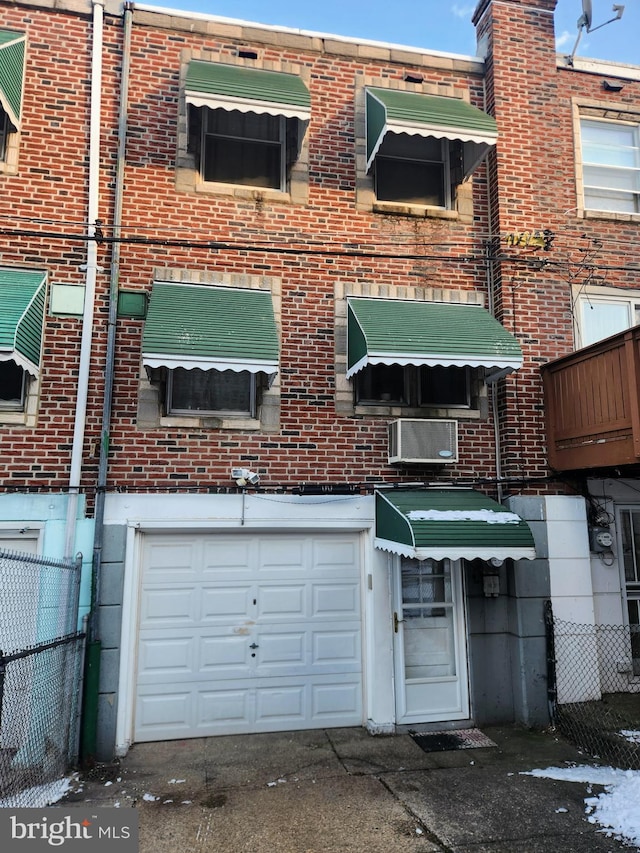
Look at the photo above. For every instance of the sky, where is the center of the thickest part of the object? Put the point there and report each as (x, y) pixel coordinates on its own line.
(442, 25)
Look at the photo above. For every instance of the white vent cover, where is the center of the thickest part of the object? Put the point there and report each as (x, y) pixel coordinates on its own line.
(416, 441)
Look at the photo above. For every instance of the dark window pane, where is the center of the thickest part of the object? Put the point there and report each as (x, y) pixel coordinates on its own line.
(4, 130)
(211, 391)
(255, 164)
(246, 125)
(12, 386)
(381, 383)
(243, 148)
(410, 182)
(444, 386)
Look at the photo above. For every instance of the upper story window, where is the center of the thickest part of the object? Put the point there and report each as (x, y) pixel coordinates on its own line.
(244, 148)
(414, 171)
(212, 353)
(409, 357)
(602, 312)
(610, 165)
(22, 303)
(245, 125)
(413, 386)
(4, 132)
(420, 148)
(225, 393)
(13, 386)
(12, 65)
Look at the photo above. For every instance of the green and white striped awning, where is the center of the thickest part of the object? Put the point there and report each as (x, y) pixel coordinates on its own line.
(454, 524)
(395, 331)
(22, 303)
(12, 56)
(232, 87)
(393, 111)
(210, 328)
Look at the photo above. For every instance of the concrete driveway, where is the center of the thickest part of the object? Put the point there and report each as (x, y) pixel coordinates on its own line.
(343, 791)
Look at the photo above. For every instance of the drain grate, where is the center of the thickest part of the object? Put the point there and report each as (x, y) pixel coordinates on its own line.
(450, 740)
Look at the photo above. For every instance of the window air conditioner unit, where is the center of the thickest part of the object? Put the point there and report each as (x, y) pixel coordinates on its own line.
(433, 442)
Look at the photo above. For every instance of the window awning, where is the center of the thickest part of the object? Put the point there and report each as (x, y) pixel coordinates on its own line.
(22, 303)
(12, 55)
(249, 90)
(392, 111)
(395, 331)
(210, 328)
(453, 524)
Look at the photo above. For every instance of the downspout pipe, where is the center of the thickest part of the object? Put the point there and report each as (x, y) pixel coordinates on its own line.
(90, 280)
(90, 703)
(114, 279)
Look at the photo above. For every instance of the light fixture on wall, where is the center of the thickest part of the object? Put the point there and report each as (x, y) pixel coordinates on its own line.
(245, 477)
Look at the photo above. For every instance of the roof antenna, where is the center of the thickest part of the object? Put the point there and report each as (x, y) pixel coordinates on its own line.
(584, 23)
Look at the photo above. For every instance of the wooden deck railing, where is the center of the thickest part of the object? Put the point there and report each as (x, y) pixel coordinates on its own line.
(592, 405)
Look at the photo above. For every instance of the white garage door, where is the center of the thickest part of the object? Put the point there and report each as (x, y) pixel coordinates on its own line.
(248, 633)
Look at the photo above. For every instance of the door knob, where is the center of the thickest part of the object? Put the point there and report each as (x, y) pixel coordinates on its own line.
(396, 622)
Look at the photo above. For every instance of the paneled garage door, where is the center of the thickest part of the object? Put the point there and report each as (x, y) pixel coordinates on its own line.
(248, 633)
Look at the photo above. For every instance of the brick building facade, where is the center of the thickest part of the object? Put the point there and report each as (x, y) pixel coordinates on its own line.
(292, 295)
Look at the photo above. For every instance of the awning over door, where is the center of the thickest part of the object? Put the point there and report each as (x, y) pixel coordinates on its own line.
(449, 523)
(210, 328)
(12, 56)
(231, 87)
(22, 303)
(394, 331)
(392, 111)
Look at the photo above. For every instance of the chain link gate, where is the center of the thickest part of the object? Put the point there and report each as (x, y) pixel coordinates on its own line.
(593, 687)
(41, 653)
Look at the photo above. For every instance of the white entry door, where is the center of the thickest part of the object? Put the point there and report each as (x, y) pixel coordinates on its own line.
(248, 632)
(430, 642)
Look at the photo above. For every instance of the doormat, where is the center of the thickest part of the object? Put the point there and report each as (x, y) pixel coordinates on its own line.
(449, 740)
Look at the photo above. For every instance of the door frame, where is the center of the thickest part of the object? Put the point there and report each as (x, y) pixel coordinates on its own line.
(461, 649)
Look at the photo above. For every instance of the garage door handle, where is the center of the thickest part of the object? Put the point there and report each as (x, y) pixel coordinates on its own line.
(253, 646)
(396, 622)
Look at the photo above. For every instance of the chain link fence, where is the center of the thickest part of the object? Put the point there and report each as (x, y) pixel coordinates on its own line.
(594, 687)
(41, 654)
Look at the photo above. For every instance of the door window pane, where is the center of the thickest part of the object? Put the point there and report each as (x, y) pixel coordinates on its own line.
(427, 613)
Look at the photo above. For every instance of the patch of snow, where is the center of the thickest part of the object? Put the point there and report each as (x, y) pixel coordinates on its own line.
(630, 735)
(489, 516)
(617, 809)
(39, 796)
(176, 781)
(150, 798)
(106, 784)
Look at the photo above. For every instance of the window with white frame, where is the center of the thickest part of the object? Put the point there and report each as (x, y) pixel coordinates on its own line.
(610, 165)
(601, 313)
(630, 536)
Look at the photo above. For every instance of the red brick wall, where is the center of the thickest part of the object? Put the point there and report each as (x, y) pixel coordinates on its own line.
(533, 186)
